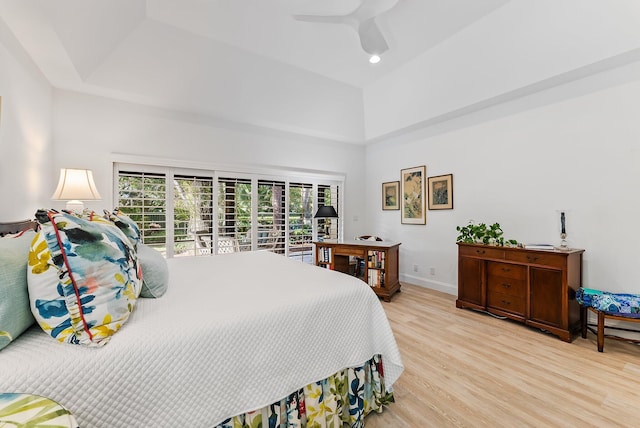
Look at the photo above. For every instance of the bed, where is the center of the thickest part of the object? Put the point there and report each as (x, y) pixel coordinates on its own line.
(236, 337)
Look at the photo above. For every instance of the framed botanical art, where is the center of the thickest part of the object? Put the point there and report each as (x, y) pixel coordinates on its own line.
(441, 192)
(413, 206)
(390, 193)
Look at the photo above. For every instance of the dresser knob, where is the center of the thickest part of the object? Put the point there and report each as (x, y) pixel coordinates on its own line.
(480, 251)
(506, 285)
(504, 269)
(532, 258)
(506, 302)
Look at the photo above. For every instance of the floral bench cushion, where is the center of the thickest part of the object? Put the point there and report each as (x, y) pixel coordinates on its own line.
(627, 305)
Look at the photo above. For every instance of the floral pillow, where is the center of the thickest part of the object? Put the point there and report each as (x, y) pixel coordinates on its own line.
(83, 277)
(126, 225)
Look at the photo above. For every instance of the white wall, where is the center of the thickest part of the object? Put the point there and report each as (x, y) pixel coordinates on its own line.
(574, 148)
(88, 130)
(25, 132)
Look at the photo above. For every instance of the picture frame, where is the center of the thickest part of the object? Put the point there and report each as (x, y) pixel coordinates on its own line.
(412, 188)
(441, 192)
(390, 195)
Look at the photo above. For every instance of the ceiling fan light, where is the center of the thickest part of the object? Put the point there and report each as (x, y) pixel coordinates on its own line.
(374, 59)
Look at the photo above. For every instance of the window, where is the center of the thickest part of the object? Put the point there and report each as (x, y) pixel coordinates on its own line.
(270, 230)
(328, 195)
(234, 212)
(300, 220)
(192, 215)
(142, 196)
(215, 212)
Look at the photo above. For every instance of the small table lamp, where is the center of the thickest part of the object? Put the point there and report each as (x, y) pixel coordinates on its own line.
(75, 186)
(326, 211)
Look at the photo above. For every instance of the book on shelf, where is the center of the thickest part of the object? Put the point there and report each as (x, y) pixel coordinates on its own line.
(376, 259)
(324, 254)
(539, 246)
(375, 279)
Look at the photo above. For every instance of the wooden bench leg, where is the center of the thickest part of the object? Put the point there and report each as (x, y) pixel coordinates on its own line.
(583, 320)
(600, 331)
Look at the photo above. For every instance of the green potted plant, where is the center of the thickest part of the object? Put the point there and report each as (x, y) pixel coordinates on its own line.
(483, 234)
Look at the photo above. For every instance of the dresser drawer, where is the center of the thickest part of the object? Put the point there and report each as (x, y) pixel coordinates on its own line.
(507, 270)
(482, 251)
(510, 286)
(346, 251)
(537, 257)
(506, 302)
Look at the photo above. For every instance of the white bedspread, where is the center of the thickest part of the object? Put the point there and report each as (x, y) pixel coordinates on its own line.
(233, 333)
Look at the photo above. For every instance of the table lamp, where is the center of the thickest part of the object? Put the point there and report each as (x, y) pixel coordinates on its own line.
(75, 186)
(326, 211)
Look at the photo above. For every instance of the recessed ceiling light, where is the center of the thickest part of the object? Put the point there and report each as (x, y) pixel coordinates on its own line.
(374, 59)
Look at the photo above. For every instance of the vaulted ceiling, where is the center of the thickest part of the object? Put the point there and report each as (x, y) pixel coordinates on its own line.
(84, 39)
(178, 54)
(246, 60)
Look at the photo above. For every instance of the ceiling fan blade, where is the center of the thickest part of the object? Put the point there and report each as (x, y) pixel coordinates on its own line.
(372, 8)
(363, 20)
(371, 38)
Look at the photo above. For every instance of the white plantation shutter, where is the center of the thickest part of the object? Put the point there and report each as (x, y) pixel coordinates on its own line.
(234, 210)
(192, 212)
(328, 195)
(270, 230)
(142, 196)
(301, 211)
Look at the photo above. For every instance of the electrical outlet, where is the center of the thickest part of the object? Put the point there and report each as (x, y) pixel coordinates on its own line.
(432, 271)
(415, 268)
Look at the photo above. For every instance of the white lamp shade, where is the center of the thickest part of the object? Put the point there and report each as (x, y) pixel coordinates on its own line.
(76, 184)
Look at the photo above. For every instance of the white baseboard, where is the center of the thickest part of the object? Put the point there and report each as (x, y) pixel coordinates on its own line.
(433, 285)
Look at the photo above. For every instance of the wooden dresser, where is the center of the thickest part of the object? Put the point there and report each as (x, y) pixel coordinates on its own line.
(535, 287)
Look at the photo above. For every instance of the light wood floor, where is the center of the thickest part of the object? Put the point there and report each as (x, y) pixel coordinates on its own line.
(467, 369)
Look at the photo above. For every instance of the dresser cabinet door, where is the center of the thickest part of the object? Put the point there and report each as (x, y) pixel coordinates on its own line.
(546, 296)
(470, 280)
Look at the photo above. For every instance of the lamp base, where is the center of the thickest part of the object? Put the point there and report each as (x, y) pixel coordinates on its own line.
(75, 206)
(563, 243)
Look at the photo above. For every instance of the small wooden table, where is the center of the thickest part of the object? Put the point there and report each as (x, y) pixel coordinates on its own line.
(374, 262)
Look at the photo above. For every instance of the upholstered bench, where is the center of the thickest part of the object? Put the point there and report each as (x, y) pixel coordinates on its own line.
(26, 410)
(613, 306)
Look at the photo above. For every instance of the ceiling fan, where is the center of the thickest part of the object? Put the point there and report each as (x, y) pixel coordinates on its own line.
(363, 20)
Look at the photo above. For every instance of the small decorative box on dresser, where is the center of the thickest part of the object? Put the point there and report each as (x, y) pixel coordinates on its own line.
(374, 262)
(535, 287)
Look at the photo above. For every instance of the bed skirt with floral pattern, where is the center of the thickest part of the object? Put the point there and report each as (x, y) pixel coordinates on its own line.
(343, 398)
